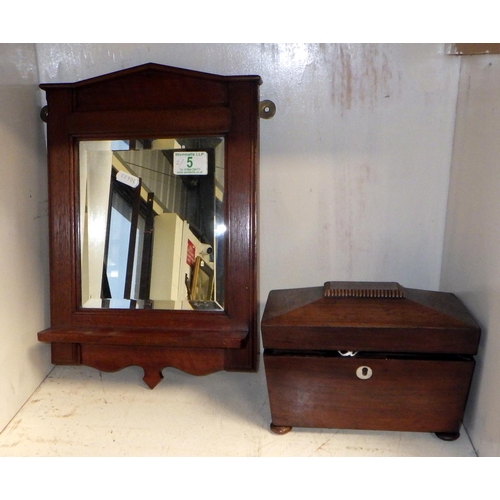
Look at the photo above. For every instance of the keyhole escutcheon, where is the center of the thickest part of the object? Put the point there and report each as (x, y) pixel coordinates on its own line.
(364, 372)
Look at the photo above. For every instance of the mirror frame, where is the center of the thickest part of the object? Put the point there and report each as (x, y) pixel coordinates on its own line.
(154, 101)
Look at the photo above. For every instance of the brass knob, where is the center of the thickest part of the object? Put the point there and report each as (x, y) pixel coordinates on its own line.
(44, 114)
(267, 109)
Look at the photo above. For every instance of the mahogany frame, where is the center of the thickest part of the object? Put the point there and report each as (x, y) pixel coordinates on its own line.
(154, 101)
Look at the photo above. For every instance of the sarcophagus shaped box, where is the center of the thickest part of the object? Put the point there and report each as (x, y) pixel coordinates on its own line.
(364, 355)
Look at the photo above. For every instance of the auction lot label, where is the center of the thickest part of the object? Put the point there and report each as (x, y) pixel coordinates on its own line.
(190, 163)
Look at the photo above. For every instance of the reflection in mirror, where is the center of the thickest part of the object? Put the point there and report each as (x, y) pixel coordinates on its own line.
(152, 223)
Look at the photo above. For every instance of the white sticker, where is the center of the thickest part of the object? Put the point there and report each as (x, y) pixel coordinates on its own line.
(190, 163)
(128, 179)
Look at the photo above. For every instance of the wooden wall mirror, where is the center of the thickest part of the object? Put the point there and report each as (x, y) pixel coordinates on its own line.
(152, 213)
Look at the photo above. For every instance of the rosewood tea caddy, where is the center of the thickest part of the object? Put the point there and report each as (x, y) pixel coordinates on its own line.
(364, 355)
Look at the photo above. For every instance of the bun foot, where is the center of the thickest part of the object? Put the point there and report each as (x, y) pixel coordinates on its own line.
(448, 436)
(280, 429)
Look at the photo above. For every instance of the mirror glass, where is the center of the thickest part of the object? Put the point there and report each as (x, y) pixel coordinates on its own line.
(152, 223)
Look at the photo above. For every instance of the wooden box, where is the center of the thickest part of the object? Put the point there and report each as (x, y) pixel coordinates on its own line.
(362, 355)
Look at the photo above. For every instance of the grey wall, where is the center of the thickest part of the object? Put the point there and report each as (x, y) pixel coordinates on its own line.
(471, 260)
(355, 164)
(23, 230)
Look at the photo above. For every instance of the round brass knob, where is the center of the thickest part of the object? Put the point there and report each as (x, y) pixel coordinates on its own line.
(267, 109)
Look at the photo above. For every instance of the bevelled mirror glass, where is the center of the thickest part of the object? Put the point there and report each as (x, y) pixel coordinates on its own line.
(152, 223)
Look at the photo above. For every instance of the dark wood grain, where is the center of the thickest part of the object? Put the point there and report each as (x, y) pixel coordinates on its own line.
(152, 359)
(144, 102)
(423, 321)
(417, 344)
(402, 395)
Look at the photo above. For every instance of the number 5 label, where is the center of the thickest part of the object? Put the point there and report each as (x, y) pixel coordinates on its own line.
(190, 163)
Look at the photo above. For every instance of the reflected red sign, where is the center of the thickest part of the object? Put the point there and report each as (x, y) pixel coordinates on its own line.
(191, 253)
